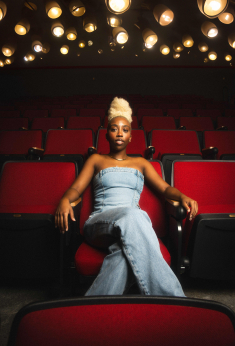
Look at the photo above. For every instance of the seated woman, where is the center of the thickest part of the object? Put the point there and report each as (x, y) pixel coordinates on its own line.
(117, 222)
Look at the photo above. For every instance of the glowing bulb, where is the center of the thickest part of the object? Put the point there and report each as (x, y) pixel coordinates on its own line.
(112, 21)
(37, 48)
(58, 31)
(117, 5)
(234, 44)
(152, 40)
(164, 49)
(227, 17)
(7, 52)
(228, 57)
(147, 45)
(1, 63)
(90, 43)
(213, 32)
(54, 12)
(8, 61)
(215, 5)
(71, 36)
(1, 16)
(64, 50)
(122, 38)
(20, 29)
(81, 44)
(176, 55)
(212, 56)
(166, 18)
(100, 51)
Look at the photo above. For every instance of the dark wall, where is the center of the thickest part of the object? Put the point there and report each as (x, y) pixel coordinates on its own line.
(208, 82)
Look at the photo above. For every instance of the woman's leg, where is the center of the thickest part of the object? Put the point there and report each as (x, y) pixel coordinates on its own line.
(140, 247)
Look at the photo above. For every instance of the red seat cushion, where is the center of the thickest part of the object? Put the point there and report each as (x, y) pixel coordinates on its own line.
(88, 260)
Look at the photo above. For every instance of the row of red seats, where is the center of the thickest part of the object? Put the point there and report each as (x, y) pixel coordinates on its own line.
(74, 144)
(94, 122)
(30, 193)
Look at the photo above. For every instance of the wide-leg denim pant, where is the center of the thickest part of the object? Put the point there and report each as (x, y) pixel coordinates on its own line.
(134, 253)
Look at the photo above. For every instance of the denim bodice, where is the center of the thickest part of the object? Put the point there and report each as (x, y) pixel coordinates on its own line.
(117, 187)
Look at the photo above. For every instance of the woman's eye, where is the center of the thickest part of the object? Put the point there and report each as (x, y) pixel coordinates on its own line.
(113, 130)
(125, 130)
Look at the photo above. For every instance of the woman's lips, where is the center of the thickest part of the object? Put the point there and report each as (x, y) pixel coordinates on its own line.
(119, 141)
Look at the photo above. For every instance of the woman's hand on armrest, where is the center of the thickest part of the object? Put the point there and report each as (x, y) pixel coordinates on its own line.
(63, 210)
(190, 205)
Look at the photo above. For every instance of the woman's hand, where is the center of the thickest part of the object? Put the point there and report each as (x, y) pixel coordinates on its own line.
(190, 205)
(64, 209)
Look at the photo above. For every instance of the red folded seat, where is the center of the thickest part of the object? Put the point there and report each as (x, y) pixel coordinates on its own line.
(224, 141)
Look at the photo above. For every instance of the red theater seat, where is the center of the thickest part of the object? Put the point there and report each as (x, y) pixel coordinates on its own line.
(146, 105)
(224, 141)
(150, 112)
(228, 122)
(165, 105)
(137, 146)
(88, 260)
(134, 123)
(65, 113)
(164, 123)
(14, 123)
(197, 123)
(46, 124)
(208, 240)
(30, 192)
(93, 112)
(213, 113)
(229, 112)
(35, 113)
(68, 145)
(9, 114)
(84, 123)
(176, 113)
(14, 145)
(171, 145)
(133, 321)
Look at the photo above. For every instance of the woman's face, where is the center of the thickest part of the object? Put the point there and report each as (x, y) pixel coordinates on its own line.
(119, 133)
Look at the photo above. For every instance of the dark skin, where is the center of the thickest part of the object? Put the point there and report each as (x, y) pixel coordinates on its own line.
(118, 136)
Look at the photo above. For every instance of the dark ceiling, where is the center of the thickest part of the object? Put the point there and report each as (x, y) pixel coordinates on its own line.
(187, 20)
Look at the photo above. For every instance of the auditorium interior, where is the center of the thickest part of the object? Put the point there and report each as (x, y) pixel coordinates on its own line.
(61, 64)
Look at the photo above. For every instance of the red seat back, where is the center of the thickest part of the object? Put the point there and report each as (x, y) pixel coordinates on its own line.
(46, 124)
(197, 123)
(62, 142)
(9, 114)
(176, 113)
(19, 142)
(213, 113)
(164, 123)
(14, 123)
(84, 123)
(65, 113)
(148, 111)
(35, 113)
(229, 122)
(174, 142)
(223, 140)
(93, 112)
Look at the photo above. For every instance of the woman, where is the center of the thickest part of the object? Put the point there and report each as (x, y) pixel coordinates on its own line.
(117, 222)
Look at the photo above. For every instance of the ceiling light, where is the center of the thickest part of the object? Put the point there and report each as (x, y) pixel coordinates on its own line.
(78, 54)
(53, 9)
(118, 6)
(22, 27)
(89, 24)
(8, 61)
(163, 14)
(100, 51)
(90, 43)
(8, 50)
(187, 41)
(120, 35)
(57, 29)
(46, 48)
(3, 10)
(113, 20)
(81, 44)
(231, 39)
(149, 37)
(1, 63)
(206, 60)
(228, 57)
(176, 55)
(209, 29)
(203, 47)
(30, 56)
(37, 46)
(228, 16)
(212, 55)
(64, 49)
(212, 8)
(149, 46)
(77, 8)
(178, 47)
(164, 49)
(71, 34)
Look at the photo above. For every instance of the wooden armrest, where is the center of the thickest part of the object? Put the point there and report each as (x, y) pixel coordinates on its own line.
(91, 150)
(34, 151)
(73, 204)
(149, 152)
(222, 128)
(175, 209)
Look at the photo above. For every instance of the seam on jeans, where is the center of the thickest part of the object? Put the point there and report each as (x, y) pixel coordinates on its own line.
(135, 270)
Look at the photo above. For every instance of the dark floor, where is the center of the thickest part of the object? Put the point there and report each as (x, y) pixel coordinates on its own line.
(14, 295)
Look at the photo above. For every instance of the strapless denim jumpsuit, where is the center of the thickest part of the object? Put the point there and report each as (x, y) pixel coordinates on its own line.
(119, 224)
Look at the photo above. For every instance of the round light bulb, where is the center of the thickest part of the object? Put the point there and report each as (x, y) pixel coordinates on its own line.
(212, 56)
(8, 61)
(147, 45)
(100, 51)
(228, 57)
(58, 31)
(64, 49)
(176, 55)
(20, 29)
(164, 49)
(90, 43)
(54, 12)
(213, 32)
(117, 5)
(122, 38)
(1, 63)
(81, 44)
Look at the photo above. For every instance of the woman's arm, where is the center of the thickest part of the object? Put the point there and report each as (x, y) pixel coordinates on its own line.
(153, 178)
(73, 193)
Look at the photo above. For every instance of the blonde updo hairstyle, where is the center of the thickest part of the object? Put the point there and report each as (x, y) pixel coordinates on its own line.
(119, 108)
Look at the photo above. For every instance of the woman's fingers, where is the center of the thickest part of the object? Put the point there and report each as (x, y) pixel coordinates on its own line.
(72, 214)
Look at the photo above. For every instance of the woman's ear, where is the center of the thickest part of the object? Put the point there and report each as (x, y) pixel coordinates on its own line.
(130, 139)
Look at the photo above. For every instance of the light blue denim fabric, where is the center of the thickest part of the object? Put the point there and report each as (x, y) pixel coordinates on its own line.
(119, 224)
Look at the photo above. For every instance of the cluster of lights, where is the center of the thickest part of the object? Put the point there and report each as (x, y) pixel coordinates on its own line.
(163, 15)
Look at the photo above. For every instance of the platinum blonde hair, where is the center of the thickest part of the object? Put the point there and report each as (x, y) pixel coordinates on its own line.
(119, 108)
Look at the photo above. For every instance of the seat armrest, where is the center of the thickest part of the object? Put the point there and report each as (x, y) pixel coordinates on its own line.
(175, 209)
(35, 153)
(149, 152)
(222, 128)
(182, 127)
(92, 150)
(60, 128)
(210, 153)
